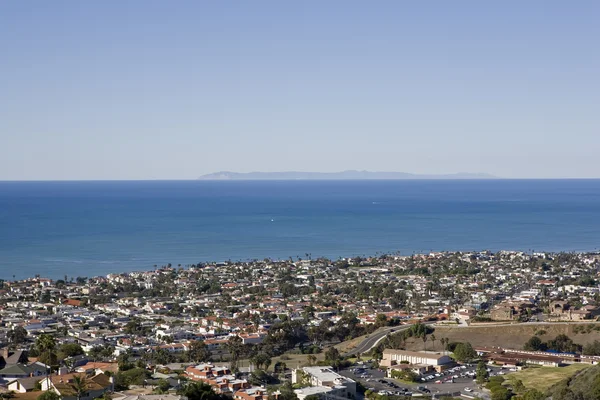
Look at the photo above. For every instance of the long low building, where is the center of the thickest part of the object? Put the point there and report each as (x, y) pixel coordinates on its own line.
(430, 358)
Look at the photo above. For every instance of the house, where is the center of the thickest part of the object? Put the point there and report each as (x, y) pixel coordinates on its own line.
(18, 371)
(251, 394)
(220, 378)
(76, 361)
(8, 357)
(66, 386)
(98, 367)
(24, 385)
(511, 311)
(563, 311)
(204, 372)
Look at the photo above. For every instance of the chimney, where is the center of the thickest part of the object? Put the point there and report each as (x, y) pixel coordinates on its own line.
(5, 353)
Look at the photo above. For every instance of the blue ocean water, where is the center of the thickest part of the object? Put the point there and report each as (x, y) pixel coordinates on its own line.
(95, 228)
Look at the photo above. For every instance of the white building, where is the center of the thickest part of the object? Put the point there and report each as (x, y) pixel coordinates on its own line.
(430, 358)
(324, 382)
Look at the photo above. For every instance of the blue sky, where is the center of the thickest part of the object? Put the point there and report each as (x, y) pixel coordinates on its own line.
(172, 90)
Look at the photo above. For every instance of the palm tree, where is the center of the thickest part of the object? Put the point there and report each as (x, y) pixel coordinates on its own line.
(444, 342)
(46, 344)
(79, 386)
(432, 338)
(424, 337)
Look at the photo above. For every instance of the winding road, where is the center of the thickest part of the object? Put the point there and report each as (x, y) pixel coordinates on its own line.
(368, 343)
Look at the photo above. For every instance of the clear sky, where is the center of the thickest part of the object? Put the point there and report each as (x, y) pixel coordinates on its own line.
(175, 89)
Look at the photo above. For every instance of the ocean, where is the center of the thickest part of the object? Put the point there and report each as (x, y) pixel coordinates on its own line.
(95, 228)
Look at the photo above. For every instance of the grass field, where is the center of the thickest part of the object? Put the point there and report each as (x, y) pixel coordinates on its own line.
(295, 360)
(543, 377)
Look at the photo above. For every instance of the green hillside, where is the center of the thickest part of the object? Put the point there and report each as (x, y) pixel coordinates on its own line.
(583, 385)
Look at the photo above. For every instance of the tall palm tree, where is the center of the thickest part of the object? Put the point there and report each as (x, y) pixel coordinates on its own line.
(444, 344)
(424, 337)
(432, 338)
(46, 344)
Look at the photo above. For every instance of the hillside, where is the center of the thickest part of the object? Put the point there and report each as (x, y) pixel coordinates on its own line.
(583, 385)
(510, 336)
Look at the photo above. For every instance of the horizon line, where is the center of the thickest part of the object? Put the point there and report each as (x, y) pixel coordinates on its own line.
(295, 180)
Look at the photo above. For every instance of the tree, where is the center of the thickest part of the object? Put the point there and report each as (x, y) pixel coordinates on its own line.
(332, 356)
(79, 386)
(199, 351)
(48, 395)
(163, 386)
(535, 344)
(45, 342)
(286, 392)
(46, 345)
(235, 347)
(518, 386)
(259, 378)
(464, 352)
(201, 391)
(481, 372)
(405, 375)
(501, 393)
(432, 338)
(424, 337)
(70, 350)
(444, 342)
(17, 336)
(134, 376)
(533, 394)
(563, 344)
(280, 367)
(312, 359)
(261, 360)
(592, 349)
(381, 320)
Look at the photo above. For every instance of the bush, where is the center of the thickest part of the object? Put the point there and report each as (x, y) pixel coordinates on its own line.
(134, 376)
(405, 375)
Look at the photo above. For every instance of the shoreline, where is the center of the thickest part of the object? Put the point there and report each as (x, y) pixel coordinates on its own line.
(297, 259)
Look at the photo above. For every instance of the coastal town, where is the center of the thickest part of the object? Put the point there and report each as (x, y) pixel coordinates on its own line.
(451, 324)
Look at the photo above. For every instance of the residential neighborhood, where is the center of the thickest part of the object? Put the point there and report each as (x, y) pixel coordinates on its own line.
(247, 329)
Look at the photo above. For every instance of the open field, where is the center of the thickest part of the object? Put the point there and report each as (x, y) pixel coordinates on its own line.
(295, 360)
(349, 345)
(543, 378)
(510, 336)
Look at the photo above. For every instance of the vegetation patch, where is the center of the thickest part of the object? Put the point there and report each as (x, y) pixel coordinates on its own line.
(544, 377)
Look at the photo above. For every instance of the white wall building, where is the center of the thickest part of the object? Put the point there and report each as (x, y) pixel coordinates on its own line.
(431, 358)
(324, 382)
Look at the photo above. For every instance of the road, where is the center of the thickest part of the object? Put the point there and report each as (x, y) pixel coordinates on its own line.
(367, 344)
(374, 338)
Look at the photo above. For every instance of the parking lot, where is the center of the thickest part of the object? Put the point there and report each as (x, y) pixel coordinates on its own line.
(459, 379)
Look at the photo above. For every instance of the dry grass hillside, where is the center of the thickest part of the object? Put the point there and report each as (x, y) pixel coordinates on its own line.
(510, 336)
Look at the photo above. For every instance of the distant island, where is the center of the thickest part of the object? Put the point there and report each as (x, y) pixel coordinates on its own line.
(343, 175)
